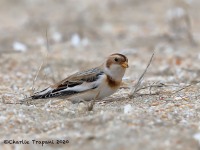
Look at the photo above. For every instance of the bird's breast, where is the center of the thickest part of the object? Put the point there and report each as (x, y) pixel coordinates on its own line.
(108, 87)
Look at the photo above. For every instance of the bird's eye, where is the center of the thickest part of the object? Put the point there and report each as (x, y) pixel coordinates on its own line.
(116, 59)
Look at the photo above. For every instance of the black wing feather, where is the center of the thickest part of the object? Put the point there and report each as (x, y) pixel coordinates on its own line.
(87, 76)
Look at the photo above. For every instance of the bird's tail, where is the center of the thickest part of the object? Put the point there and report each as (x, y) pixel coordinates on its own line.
(39, 95)
(42, 94)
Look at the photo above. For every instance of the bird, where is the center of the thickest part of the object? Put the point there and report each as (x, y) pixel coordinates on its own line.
(92, 84)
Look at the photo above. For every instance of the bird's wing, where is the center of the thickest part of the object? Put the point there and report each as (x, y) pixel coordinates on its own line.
(76, 83)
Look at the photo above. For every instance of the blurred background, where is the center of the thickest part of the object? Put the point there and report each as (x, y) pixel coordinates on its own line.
(98, 26)
(91, 30)
(80, 35)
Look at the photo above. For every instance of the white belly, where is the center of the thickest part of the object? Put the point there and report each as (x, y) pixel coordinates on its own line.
(105, 91)
(98, 93)
(102, 91)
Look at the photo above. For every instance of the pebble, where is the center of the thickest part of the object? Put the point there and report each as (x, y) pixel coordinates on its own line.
(197, 137)
(128, 108)
(17, 46)
(75, 40)
(155, 104)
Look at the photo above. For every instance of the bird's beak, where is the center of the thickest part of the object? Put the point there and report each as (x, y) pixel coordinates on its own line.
(125, 65)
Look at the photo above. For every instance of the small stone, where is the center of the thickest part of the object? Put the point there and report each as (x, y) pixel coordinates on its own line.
(128, 108)
(82, 107)
(155, 104)
(17, 46)
(164, 116)
(197, 137)
(57, 36)
(178, 98)
(75, 40)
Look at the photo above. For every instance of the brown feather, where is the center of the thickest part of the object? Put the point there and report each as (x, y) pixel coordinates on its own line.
(79, 78)
(124, 57)
(108, 63)
(112, 83)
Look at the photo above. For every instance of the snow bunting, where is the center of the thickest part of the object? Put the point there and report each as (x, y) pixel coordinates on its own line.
(95, 83)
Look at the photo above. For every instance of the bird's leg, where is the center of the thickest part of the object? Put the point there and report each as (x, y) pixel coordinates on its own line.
(91, 104)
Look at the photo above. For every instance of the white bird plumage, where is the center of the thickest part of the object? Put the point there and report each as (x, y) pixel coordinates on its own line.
(96, 83)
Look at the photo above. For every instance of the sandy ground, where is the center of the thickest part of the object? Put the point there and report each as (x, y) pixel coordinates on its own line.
(81, 34)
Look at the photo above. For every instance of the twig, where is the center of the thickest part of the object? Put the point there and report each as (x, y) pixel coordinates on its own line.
(134, 90)
(33, 89)
(156, 93)
(185, 87)
(36, 76)
(48, 50)
(192, 70)
(47, 40)
(151, 86)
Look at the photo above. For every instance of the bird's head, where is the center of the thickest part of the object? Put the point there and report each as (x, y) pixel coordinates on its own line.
(116, 65)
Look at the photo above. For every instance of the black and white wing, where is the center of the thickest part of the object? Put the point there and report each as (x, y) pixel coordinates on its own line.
(74, 84)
